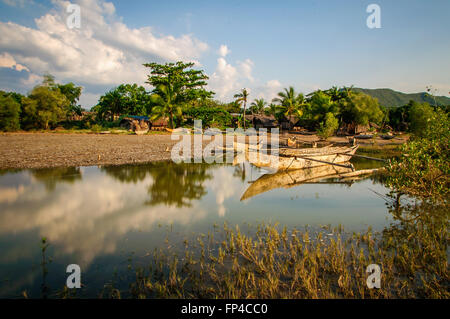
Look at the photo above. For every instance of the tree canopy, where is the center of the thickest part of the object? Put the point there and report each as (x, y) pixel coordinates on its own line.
(175, 85)
(129, 99)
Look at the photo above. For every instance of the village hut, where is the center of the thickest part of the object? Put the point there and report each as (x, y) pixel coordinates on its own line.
(160, 124)
(262, 121)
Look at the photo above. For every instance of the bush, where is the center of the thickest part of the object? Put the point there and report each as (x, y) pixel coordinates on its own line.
(210, 116)
(9, 113)
(329, 126)
(96, 128)
(420, 117)
(424, 169)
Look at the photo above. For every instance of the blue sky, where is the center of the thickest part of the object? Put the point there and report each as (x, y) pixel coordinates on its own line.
(266, 45)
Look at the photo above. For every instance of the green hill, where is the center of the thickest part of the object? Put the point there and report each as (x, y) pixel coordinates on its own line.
(388, 97)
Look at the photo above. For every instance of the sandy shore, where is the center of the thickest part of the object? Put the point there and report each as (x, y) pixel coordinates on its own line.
(39, 150)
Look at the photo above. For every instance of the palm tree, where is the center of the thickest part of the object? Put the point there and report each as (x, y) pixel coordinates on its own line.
(164, 101)
(258, 106)
(272, 109)
(334, 93)
(290, 103)
(346, 91)
(242, 97)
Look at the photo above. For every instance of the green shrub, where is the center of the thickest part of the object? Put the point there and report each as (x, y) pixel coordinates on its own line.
(329, 126)
(424, 168)
(420, 115)
(9, 113)
(96, 128)
(210, 116)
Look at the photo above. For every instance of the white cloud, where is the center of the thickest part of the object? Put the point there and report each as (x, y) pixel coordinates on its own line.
(224, 80)
(104, 51)
(227, 79)
(269, 90)
(7, 61)
(32, 80)
(224, 51)
(246, 69)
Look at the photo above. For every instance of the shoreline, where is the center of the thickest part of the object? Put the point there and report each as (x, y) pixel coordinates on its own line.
(33, 150)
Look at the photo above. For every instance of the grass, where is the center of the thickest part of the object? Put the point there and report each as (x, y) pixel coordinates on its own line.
(275, 263)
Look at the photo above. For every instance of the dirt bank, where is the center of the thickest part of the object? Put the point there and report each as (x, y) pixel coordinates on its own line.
(39, 150)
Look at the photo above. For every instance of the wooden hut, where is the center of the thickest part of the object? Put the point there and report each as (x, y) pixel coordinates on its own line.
(160, 124)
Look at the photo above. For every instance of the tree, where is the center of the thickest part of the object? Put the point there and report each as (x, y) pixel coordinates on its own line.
(424, 169)
(165, 104)
(271, 109)
(129, 99)
(233, 107)
(242, 98)
(175, 85)
(45, 106)
(329, 126)
(320, 104)
(72, 93)
(290, 104)
(258, 106)
(420, 116)
(360, 108)
(9, 113)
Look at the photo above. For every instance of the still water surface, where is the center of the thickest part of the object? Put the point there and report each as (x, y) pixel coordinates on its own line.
(103, 217)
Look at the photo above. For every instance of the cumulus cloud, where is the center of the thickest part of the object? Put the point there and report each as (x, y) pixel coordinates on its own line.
(227, 79)
(104, 51)
(268, 90)
(223, 50)
(7, 61)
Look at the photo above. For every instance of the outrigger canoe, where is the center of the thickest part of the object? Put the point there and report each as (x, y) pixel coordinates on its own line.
(302, 158)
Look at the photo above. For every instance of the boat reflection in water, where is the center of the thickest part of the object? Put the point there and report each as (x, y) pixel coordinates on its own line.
(290, 178)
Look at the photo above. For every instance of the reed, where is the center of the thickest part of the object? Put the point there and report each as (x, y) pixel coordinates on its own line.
(272, 262)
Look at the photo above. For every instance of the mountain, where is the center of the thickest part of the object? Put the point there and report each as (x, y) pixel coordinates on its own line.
(388, 97)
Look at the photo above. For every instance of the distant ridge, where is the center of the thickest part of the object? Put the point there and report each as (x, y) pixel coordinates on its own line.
(389, 97)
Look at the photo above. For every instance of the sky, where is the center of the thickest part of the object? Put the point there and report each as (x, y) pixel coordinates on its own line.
(261, 45)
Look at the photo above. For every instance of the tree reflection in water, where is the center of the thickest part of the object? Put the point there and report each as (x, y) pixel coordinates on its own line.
(52, 176)
(173, 184)
(418, 239)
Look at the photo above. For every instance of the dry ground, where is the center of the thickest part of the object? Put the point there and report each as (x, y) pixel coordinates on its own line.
(39, 150)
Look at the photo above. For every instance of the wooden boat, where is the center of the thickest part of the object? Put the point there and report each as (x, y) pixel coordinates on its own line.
(238, 146)
(364, 136)
(291, 178)
(387, 137)
(302, 158)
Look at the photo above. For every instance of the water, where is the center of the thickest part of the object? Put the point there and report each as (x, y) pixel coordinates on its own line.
(103, 217)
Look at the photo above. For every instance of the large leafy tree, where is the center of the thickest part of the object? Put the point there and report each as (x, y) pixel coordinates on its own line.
(72, 93)
(45, 106)
(9, 112)
(290, 104)
(176, 85)
(420, 116)
(129, 99)
(360, 108)
(320, 104)
(242, 98)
